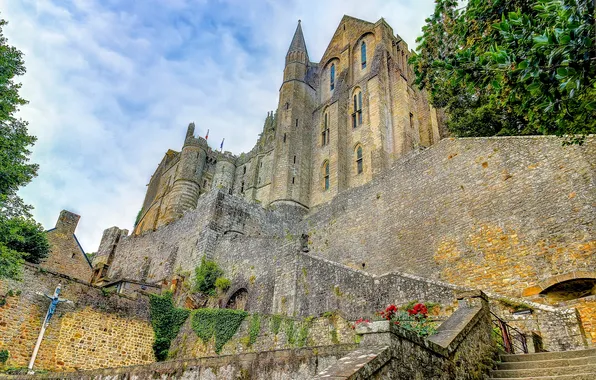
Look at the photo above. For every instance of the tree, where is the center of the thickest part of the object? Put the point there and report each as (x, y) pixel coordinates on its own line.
(511, 67)
(21, 238)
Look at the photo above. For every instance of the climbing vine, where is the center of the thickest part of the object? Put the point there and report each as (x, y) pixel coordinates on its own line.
(276, 323)
(166, 320)
(4, 356)
(254, 329)
(221, 323)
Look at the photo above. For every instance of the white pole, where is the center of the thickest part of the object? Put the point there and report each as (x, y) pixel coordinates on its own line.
(39, 339)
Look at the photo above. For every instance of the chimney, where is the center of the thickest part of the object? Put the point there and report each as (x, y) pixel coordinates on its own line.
(67, 222)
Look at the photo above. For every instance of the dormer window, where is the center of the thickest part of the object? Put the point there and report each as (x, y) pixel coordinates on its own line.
(363, 54)
(332, 77)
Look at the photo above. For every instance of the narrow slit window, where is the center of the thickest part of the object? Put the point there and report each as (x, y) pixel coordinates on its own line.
(294, 159)
(284, 138)
(296, 123)
(357, 114)
(242, 187)
(332, 77)
(325, 132)
(359, 167)
(326, 175)
(292, 180)
(411, 120)
(363, 54)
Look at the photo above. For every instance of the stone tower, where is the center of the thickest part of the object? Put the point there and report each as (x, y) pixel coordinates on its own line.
(186, 186)
(297, 100)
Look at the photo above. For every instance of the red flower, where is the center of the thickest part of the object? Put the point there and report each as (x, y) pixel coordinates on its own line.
(418, 310)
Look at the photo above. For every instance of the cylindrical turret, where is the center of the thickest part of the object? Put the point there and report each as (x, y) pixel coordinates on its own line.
(186, 189)
(224, 173)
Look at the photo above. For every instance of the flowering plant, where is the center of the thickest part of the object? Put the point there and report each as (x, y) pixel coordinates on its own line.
(361, 320)
(413, 319)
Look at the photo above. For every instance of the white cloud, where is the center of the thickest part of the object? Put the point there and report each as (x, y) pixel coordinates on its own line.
(113, 84)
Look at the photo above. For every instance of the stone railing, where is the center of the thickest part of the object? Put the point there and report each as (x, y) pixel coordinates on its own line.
(462, 348)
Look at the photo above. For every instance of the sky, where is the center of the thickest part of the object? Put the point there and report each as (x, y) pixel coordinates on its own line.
(113, 84)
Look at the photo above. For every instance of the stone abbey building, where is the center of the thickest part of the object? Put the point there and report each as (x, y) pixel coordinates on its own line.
(352, 199)
(339, 123)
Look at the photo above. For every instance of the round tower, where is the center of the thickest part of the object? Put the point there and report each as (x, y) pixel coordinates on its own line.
(186, 187)
(224, 173)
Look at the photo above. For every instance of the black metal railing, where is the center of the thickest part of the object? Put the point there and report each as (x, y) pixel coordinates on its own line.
(508, 338)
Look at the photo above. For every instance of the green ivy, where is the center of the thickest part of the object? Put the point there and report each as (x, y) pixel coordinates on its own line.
(276, 323)
(303, 332)
(221, 323)
(290, 330)
(255, 329)
(166, 320)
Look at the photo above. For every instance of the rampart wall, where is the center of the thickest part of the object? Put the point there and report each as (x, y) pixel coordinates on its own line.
(97, 331)
(499, 214)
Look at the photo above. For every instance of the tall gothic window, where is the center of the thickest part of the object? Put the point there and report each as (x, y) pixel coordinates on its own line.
(357, 114)
(332, 77)
(325, 133)
(326, 175)
(363, 54)
(359, 160)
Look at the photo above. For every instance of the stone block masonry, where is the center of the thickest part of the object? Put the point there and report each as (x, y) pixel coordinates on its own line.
(98, 331)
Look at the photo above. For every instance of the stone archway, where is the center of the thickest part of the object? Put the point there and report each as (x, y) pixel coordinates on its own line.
(565, 287)
(238, 300)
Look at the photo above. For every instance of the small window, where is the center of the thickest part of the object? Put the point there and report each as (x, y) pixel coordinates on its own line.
(359, 167)
(325, 133)
(284, 138)
(332, 77)
(292, 180)
(294, 159)
(244, 170)
(326, 175)
(287, 105)
(357, 114)
(411, 120)
(242, 187)
(296, 123)
(363, 54)
(73, 256)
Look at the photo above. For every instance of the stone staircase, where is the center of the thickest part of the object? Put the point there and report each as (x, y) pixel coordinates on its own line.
(566, 365)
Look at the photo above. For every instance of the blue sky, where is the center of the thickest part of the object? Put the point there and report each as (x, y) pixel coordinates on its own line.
(112, 84)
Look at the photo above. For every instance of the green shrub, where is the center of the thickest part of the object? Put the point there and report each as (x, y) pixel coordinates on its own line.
(3, 356)
(255, 329)
(222, 283)
(166, 320)
(206, 275)
(276, 323)
(221, 323)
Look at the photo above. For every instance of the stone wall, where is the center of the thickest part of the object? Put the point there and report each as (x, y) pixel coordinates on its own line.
(66, 254)
(291, 333)
(96, 331)
(499, 214)
(296, 364)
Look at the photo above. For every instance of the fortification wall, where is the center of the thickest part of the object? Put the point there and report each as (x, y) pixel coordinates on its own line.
(97, 331)
(499, 214)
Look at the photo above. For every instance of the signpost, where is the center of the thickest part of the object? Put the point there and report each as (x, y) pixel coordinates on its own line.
(55, 300)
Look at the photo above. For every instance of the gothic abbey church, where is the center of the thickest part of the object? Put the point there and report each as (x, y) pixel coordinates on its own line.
(338, 123)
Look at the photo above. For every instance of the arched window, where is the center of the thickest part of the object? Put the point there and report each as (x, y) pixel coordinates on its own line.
(332, 77)
(325, 133)
(359, 160)
(363, 54)
(326, 175)
(357, 114)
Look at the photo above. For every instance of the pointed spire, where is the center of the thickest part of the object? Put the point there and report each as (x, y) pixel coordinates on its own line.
(298, 43)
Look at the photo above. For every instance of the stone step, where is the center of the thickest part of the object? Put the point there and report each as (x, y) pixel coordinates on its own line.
(577, 376)
(549, 355)
(546, 363)
(537, 372)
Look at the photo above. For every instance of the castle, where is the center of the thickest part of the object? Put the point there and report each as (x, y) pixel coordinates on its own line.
(338, 123)
(352, 199)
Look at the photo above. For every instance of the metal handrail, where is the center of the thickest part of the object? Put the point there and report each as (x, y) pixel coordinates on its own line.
(509, 336)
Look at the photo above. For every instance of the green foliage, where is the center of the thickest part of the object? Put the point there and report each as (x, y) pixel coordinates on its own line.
(2, 301)
(205, 276)
(303, 332)
(11, 263)
(254, 329)
(4, 356)
(222, 283)
(138, 218)
(513, 305)
(511, 67)
(276, 323)
(166, 320)
(221, 323)
(26, 236)
(290, 329)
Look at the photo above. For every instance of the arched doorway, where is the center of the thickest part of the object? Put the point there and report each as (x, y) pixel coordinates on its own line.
(238, 300)
(570, 290)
